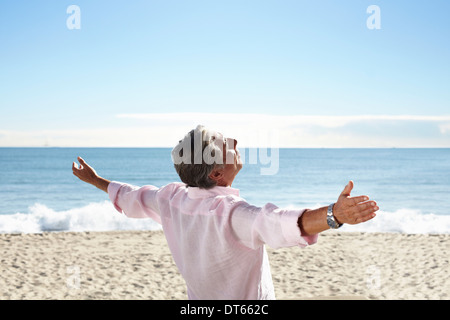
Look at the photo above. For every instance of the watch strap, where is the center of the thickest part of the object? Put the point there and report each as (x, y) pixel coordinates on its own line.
(331, 221)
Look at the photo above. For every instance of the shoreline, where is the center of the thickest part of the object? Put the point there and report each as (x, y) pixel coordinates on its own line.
(138, 265)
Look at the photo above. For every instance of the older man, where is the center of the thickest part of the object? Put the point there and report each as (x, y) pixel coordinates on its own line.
(216, 238)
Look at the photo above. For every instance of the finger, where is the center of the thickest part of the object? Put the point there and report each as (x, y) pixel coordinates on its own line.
(74, 166)
(369, 211)
(366, 213)
(357, 200)
(361, 215)
(75, 169)
(363, 212)
(367, 205)
(364, 218)
(348, 189)
(83, 163)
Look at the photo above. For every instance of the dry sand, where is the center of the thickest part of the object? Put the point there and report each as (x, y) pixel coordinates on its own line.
(138, 265)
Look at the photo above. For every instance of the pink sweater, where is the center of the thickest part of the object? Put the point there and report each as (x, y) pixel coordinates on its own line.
(216, 238)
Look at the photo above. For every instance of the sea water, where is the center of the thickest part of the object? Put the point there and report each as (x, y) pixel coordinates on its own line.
(38, 191)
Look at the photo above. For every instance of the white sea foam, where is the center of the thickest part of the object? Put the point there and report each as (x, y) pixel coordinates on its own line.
(99, 216)
(404, 221)
(102, 216)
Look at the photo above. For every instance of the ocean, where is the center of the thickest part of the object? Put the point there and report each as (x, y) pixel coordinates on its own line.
(39, 193)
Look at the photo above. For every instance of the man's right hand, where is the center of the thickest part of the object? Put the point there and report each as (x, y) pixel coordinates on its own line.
(353, 210)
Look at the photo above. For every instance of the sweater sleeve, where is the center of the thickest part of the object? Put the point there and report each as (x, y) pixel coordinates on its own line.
(255, 226)
(135, 202)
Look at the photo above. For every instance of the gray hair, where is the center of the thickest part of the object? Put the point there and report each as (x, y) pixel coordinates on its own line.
(197, 155)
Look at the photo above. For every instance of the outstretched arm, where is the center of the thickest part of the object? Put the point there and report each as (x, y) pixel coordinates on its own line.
(351, 210)
(87, 174)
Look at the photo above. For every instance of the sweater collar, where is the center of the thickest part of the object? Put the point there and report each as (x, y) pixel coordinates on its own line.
(195, 192)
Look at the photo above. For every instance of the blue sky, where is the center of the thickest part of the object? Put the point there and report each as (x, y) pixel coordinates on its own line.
(142, 73)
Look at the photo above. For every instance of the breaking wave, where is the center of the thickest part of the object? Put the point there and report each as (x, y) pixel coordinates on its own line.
(102, 216)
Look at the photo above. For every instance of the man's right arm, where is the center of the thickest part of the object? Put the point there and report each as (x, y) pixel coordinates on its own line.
(350, 210)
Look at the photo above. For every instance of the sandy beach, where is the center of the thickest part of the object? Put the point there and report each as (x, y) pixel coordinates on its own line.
(138, 265)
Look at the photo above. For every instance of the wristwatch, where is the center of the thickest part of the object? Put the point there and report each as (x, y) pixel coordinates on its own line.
(332, 223)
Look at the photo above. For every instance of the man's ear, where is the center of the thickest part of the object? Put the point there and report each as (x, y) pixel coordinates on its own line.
(216, 175)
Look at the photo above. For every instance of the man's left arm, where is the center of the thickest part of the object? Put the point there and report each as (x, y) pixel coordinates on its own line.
(87, 174)
(133, 201)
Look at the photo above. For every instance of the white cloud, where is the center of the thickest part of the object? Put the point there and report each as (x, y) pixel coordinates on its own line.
(273, 120)
(165, 129)
(444, 128)
(102, 137)
(311, 130)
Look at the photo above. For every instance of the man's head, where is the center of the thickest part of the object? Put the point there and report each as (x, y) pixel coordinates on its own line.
(205, 158)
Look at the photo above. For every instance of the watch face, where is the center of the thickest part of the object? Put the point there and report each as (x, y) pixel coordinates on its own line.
(332, 223)
(330, 218)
